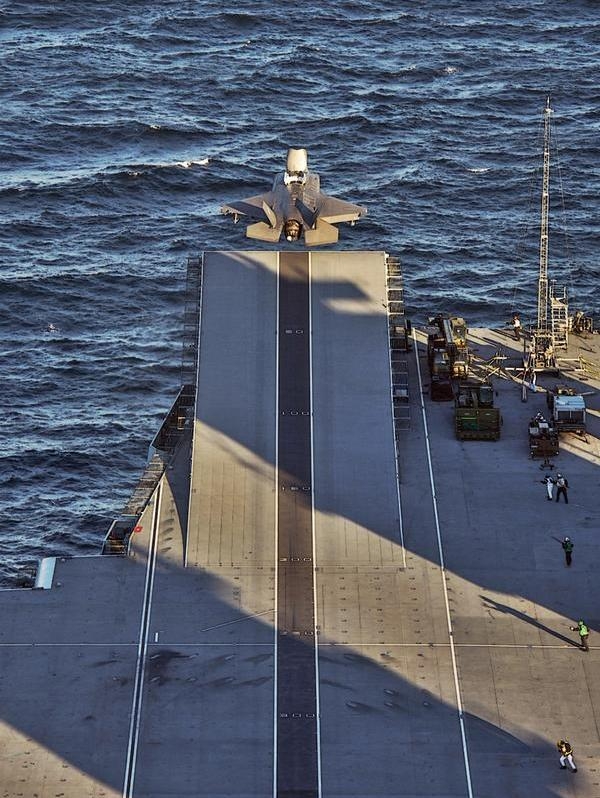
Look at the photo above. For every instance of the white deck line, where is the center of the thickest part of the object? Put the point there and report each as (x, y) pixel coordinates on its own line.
(136, 704)
(346, 644)
(459, 702)
(397, 467)
(313, 526)
(276, 529)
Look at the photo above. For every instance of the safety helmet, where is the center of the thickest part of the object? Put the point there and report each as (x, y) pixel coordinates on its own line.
(566, 538)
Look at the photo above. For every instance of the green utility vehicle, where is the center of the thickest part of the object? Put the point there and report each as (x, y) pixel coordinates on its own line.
(475, 417)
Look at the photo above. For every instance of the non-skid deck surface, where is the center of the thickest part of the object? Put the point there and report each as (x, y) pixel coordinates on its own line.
(290, 631)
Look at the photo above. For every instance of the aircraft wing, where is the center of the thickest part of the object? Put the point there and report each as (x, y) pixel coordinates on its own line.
(257, 207)
(334, 210)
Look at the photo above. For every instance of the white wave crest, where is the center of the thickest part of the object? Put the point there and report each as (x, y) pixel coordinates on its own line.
(188, 164)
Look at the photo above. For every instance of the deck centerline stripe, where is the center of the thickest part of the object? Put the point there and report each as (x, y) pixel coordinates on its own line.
(297, 754)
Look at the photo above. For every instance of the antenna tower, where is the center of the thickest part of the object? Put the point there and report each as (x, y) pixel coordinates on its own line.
(542, 309)
(546, 337)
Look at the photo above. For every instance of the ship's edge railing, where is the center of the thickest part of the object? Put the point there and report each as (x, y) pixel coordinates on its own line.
(177, 421)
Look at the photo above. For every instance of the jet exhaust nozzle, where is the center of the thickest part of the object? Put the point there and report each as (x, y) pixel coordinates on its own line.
(292, 230)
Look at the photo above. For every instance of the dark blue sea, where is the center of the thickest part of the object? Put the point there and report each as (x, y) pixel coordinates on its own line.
(126, 125)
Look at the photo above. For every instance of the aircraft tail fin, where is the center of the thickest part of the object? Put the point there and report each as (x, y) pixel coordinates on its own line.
(270, 214)
(323, 233)
(309, 215)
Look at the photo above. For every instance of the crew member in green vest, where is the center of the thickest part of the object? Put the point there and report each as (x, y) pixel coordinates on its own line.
(567, 545)
(583, 634)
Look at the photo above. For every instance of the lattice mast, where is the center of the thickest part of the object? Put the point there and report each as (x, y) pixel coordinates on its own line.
(542, 310)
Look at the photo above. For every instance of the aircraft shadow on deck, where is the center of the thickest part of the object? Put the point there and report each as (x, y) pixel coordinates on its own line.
(190, 687)
(184, 684)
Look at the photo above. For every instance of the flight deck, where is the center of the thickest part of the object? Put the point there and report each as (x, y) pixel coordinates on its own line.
(320, 597)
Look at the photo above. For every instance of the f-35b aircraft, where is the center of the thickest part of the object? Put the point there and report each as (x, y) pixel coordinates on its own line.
(295, 206)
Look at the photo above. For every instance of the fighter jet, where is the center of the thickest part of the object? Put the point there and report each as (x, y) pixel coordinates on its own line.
(295, 206)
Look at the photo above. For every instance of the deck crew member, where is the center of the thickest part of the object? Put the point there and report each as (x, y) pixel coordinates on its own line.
(549, 483)
(566, 755)
(567, 545)
(584, 633)
(517, 326)
(562, 485)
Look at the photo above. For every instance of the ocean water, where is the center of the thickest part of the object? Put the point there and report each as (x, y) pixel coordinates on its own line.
(126, 125)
